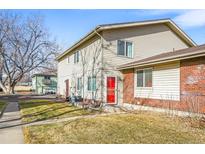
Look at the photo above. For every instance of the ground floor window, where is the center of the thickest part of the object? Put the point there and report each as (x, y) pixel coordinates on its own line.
(79, 83)
(144, 78)
(92, 83)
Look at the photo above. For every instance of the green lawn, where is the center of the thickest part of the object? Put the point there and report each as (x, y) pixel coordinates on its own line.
(125, 128)
(2, 104)
(36, 110)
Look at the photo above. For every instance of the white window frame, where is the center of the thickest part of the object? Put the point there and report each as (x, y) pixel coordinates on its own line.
(150, 68)
(125, 41)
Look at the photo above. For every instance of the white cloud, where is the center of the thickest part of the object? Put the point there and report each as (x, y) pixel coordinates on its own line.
(191, 18)
(184, 18)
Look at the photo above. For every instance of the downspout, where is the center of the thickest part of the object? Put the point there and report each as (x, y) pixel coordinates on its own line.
(102, 67)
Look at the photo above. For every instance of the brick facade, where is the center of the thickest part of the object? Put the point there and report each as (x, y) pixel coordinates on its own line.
(192, 88)
(193, 77)
(192, 83)
(128, 85)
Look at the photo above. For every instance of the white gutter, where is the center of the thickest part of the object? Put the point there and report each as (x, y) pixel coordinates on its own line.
(154, 62)
(88, 36)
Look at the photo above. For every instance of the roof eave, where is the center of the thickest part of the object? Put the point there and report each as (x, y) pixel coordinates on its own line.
(161, 61)
(43, 75)
(99, 28)
(167, 21)
(181, 33)
(88, 36)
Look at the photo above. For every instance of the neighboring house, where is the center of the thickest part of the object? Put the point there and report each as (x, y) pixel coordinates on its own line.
(43, 83)
(110, 65)
(24, 85)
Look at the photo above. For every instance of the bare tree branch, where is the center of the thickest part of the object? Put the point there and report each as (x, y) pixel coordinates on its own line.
(24, 46)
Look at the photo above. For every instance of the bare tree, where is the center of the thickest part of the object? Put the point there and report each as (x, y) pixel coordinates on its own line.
(24, 46)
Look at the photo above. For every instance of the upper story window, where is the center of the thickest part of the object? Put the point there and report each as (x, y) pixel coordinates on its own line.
(47, 77)
(144, 78)
(68, 59)
(76, 57)
(125, 48)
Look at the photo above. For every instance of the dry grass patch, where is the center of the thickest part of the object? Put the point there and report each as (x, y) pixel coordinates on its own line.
(124, 128)
(37, 110)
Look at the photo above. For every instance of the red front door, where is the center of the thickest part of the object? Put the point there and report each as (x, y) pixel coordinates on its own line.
(111, 90)
(67, 87)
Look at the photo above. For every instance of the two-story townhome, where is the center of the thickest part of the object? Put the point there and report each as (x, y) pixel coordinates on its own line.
(103, 64)
(44, 83)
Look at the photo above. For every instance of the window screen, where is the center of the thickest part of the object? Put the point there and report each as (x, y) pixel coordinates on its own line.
(121, 47)
(140, 78)
(148, 78)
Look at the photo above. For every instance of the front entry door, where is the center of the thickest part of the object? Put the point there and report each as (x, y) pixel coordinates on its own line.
(111, 90)
(67, 87)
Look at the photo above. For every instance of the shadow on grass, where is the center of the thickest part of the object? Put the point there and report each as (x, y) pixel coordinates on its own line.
(37, 120)
(58, 115)
(43, 114)
(49, 111)
(44, 111)
(32, 103)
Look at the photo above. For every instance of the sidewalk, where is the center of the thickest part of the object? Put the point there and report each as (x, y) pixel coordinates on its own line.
(10, 125)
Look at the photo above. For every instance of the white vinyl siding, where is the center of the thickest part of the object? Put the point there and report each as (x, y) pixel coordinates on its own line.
(72, 70)
(147, 41)
(165, 83)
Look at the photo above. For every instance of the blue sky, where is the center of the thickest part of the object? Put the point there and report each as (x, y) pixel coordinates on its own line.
(67, 26)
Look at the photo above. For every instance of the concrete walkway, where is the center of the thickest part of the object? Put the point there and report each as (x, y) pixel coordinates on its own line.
(10, 125)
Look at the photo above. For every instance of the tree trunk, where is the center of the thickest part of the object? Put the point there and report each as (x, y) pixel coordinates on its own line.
(12, 86)
(3, 87)
(12, 89)
(9, 89)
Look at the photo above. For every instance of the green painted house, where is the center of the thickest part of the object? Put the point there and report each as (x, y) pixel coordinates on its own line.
(43, 83)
